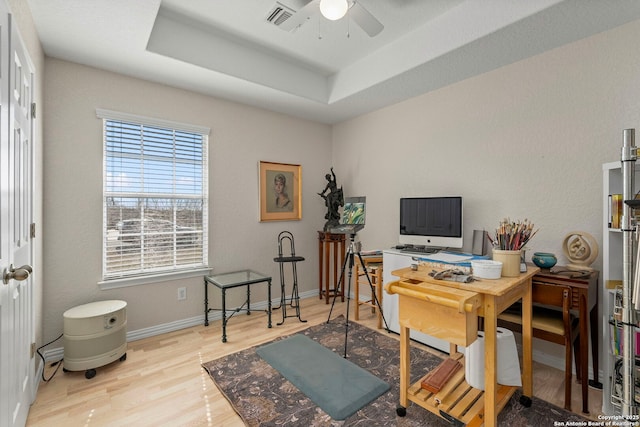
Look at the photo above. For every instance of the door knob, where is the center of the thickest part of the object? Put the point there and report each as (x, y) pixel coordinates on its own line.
(19, 274)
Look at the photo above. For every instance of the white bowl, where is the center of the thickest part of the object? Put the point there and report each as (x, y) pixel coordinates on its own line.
(486, 269)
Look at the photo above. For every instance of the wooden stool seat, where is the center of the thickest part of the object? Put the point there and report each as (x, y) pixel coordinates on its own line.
(544, 319)
(374, 271)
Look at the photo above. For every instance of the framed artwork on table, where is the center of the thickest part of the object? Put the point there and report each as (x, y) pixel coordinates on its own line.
(280, 191)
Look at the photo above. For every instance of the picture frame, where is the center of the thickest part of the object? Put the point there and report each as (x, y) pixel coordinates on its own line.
(280, 187)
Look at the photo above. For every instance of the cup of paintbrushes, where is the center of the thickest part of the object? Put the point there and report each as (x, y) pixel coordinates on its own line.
(510, 260)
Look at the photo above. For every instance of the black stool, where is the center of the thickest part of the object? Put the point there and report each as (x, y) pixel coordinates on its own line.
(294, 301)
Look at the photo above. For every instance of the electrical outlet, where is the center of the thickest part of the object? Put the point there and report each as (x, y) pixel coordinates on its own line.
(182, 294)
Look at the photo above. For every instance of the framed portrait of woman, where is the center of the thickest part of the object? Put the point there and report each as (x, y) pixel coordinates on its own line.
(280, 191)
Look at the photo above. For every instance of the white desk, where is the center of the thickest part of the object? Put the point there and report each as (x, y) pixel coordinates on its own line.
(394, 260)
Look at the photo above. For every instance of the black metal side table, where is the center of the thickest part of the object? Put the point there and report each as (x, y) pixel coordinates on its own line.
(233, 280)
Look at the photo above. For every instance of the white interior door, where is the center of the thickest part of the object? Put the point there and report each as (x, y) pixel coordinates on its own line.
(17, 364)
(6, 377)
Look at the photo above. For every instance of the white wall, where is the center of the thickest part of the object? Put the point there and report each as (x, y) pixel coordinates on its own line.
(525, 141)
(240, 137)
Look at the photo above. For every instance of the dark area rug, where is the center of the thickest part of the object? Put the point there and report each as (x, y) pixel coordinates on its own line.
(263, 397)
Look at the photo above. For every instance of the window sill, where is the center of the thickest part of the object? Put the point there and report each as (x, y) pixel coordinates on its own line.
(145, 280)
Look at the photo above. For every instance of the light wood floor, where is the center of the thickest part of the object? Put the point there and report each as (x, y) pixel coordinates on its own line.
(162, 384)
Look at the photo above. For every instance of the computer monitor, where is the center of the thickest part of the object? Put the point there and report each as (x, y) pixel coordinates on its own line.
(431, 221)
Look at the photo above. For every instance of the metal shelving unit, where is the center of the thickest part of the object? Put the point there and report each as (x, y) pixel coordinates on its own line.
(620, 317)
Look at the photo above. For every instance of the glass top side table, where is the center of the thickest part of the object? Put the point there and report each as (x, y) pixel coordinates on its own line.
(231, 280)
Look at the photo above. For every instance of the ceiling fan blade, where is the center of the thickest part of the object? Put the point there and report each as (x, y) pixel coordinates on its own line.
(365, 19)
(301, 16)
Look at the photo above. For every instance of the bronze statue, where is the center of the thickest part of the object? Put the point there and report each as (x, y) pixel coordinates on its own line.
(333, 199)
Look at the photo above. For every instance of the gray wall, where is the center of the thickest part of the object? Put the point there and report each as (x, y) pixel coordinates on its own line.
(527, 140)
(240, 137)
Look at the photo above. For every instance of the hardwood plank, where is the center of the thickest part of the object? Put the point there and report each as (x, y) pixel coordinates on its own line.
(162, 382)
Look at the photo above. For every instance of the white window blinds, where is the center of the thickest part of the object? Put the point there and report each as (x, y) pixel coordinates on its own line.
(155, 198)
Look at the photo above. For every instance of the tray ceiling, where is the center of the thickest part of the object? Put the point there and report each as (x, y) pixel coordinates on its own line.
(327, 71)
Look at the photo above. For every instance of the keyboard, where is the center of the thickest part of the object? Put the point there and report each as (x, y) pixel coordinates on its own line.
(420, 250)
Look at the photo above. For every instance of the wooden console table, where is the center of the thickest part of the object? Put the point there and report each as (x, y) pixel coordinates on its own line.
(584, 300)
(449, 310)
(328, 244)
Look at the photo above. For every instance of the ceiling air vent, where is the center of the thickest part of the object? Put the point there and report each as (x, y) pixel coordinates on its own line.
(279, 13)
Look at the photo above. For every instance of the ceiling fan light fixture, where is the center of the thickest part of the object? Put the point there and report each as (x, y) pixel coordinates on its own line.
(333, 9)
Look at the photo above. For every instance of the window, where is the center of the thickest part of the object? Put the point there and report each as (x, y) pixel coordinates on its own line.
(155, 196)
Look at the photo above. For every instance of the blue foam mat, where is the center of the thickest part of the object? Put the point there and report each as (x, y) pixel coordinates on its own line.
(332, 382)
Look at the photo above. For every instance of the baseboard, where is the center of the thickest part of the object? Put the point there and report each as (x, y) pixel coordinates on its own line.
(36, 383)
(58, 353)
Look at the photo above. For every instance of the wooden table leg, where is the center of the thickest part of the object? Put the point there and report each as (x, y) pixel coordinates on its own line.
(453, 349)
(584, 353)
(405, 373)
(320, 286)
(327, 278)
(379, 296)
(527, 342)
(490, 361)
(594, 347)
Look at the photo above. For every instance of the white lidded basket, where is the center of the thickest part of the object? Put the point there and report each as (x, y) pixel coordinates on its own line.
(486, 269)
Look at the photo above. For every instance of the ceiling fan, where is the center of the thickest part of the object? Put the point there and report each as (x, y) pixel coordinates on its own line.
(330, 9)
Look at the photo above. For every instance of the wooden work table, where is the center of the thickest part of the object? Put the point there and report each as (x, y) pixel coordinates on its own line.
(449, 310)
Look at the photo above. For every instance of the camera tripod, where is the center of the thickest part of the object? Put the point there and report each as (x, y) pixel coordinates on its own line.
(354, 249)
